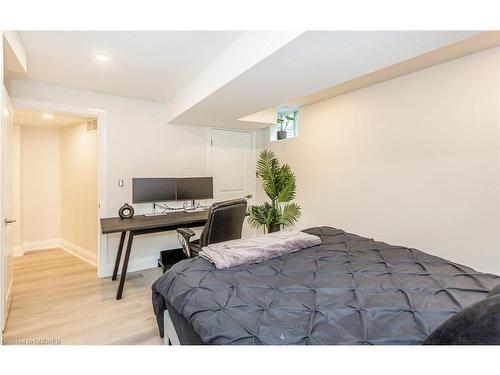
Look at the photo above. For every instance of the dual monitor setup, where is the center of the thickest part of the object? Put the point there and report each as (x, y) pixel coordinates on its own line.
(158, 190)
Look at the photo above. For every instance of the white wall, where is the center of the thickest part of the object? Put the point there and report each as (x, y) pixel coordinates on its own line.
(412, 161)
(40, 187)
(78, 171)
(139, 143)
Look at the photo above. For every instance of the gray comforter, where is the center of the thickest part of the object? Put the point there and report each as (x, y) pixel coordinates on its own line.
(347, 290)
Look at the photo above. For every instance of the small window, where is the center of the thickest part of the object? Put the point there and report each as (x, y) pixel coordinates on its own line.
(287, 125)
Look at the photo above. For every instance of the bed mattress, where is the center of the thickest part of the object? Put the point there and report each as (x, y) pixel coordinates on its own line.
(347, 290)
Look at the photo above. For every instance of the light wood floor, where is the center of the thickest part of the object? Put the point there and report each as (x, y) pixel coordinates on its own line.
(58, 296)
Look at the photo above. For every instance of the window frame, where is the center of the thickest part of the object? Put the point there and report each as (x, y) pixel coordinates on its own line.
(295, 125)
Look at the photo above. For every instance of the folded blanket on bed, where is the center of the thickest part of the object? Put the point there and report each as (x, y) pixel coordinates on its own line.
(256, 249)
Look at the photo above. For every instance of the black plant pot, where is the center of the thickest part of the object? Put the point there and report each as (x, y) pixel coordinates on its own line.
(281, 134)
(274, 228)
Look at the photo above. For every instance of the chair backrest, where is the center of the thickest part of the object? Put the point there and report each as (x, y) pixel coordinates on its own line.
(225, 221)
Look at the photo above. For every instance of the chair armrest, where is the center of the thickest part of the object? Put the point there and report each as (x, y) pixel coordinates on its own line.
(185, 232)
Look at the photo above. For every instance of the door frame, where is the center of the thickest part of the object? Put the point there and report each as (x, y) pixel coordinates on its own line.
(102, 160)
(1, 188)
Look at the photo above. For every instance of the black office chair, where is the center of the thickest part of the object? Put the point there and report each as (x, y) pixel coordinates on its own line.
(225, 221)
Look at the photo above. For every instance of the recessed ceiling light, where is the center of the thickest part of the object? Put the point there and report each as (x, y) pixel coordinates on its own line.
(48, 115)
(102, 58)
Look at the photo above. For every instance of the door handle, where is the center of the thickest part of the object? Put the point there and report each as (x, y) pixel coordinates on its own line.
(248, 196)
(9, 221)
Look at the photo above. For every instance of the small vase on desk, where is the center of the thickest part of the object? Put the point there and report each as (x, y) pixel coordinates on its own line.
(126, 211)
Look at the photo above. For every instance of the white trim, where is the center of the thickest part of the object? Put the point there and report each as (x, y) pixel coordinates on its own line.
(2, 262)
(78, 251)
(254, 163)
(102, 152)
(57, 243)
(209, 151)
(52, 243)
(102, 189)
(18, 251)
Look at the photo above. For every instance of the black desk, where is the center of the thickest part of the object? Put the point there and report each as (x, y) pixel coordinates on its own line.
(145, 225)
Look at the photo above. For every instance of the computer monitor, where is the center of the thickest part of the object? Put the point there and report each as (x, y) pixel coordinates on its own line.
(150, 190)
(193, 188)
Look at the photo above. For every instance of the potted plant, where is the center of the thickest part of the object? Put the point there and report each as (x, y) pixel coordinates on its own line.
(278, 182)
(283, 126)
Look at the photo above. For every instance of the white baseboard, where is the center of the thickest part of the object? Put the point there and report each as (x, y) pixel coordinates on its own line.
(39, 245)
(134, 265)
(139, 264)
(57, 243)
(18, 251)
(80, 252)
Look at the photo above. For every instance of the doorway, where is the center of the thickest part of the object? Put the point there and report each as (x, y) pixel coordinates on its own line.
(57, 183)
(101, 117)
(50, 161)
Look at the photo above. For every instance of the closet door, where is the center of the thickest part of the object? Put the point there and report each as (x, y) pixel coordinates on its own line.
(233, 168)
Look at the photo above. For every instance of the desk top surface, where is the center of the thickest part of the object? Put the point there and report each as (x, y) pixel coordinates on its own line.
(139, 222)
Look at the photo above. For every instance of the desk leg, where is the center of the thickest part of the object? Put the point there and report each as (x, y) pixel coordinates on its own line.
(118, 256)
(125, 265)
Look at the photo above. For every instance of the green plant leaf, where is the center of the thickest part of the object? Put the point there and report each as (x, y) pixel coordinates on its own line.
(278, 182)
(258, 215)
(264, 164)
(286, 184)
(289, 213)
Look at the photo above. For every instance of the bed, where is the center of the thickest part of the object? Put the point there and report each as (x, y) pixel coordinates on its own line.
(347, 290)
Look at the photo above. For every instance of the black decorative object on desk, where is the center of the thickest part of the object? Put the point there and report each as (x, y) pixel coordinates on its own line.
(126, 211)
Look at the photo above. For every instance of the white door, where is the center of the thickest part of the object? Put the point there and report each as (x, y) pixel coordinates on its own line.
(233, 167)
(7, 205)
